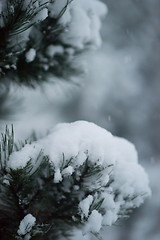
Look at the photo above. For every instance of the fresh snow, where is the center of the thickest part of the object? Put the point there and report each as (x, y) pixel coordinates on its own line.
(82, 20)
(26, 224)
(84, 206)
(57, 176)
(122, 183)
(30, 55)
(94, 222)
(52, 50)
(29, 152)
(68, 171)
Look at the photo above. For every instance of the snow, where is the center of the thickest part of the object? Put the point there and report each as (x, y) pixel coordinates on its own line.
(133, 174)
(29, 152)
(56, 8)
(94, 222)
(26, 224)
(68, 171)
(80, 19)
(84, 206)
(121, 183)
(71, 140)
(52, 50)
(57, 176)
(30, 55)
(78, 235)
(83, 21)
(110, 218)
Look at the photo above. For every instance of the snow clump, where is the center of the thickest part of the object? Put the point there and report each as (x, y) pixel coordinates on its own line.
(82, 20)
(110, 180)
(30, 55)
(26, 225)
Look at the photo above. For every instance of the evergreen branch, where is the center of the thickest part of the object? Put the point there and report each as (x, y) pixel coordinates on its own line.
(60, 194)
(13, 64)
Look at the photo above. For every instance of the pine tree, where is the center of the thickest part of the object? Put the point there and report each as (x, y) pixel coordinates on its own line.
(79, 177)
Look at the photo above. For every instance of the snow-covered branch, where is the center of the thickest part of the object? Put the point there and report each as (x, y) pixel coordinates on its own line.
(38, 37)
(77, 174)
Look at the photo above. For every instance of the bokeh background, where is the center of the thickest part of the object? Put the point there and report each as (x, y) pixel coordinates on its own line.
(120, 91)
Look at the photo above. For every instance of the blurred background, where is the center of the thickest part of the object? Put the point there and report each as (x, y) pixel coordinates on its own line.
(120, 91)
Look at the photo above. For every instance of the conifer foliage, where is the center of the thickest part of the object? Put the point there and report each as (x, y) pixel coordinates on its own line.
(79, 177)
(38, 38)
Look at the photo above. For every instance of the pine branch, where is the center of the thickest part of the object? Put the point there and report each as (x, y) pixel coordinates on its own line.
(60, 194)
(17, 38)
(28, 190)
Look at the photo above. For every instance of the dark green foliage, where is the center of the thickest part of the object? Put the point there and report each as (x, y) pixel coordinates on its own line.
(32, 190)
(16, 22)
(55, 197)
(21, 33)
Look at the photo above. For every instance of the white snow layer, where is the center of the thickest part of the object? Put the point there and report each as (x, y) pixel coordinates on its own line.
(30, 55)
(94, 222)
(26, 224)
(84, 206)
(82, 19)
(122, 183)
